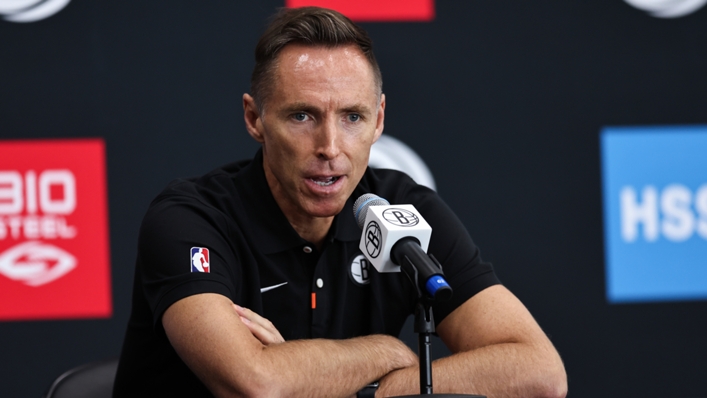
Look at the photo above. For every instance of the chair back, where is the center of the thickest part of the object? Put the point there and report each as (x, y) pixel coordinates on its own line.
(93, 380)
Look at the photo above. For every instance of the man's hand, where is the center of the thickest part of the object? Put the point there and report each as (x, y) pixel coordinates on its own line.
(261, 328)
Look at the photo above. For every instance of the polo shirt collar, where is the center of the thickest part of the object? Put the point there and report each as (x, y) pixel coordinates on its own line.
(344, 227)
(271, 231)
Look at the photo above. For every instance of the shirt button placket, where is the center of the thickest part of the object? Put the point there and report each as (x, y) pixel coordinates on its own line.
(319, 305)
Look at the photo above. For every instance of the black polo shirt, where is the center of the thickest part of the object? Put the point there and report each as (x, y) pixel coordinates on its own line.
(228, 222)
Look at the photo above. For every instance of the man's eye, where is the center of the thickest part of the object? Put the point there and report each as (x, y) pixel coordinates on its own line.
(300, 117)
(354, 117)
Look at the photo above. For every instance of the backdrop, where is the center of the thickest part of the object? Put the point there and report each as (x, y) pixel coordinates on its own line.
(504, 101)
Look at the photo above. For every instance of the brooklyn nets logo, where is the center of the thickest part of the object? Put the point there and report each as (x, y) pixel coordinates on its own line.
(374, 238)
(668, 8)
(30, 10)
(391, 153)
(360, 270)
(401, 217)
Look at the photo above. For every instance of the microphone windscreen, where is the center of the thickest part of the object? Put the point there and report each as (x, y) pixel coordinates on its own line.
(360, 207)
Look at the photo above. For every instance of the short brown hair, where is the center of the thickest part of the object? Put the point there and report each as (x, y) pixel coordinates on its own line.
(313, 26)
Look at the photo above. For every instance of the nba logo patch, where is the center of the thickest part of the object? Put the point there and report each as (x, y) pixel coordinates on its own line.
(200, 260)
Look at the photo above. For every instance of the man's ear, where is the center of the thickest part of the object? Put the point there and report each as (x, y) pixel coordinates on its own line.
(253, 121)
(380, 119)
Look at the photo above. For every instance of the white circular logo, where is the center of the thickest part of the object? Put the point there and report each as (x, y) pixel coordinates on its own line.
(389, 153)
(401, 217)
(361, 270)
(374, 238)
(30, 10)
(35, 263)
(668, 8)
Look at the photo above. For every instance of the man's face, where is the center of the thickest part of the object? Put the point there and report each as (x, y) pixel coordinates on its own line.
(317, 127)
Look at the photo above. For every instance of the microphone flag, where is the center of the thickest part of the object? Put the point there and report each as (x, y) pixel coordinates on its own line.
(383, 226)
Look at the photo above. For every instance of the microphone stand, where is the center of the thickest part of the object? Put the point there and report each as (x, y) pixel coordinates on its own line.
(425, 327)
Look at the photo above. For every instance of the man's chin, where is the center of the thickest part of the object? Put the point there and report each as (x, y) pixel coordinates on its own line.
(325, 208)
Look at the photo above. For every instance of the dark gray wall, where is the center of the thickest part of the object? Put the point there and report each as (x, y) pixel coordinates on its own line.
(503, 100)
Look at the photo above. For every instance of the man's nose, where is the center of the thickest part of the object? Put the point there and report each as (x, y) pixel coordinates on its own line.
(328, 136)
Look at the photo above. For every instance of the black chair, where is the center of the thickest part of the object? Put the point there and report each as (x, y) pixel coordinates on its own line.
(93, 380)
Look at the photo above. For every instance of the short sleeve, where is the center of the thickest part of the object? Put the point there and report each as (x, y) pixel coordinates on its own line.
(178, 235)
(464, 270)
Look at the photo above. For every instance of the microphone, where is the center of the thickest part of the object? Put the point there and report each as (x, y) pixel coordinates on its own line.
(396, 236)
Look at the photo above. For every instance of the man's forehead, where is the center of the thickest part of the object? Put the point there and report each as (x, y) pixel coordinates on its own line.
(302, 68)
(301, 57)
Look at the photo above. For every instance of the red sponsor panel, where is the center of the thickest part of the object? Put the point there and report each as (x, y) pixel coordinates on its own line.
(54, 249)
(375, 10)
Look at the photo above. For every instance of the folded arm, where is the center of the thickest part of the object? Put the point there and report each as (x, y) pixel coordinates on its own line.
(213, 340)
(499, 351)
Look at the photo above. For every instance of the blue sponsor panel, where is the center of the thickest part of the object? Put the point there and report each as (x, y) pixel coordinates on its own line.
(655, 213)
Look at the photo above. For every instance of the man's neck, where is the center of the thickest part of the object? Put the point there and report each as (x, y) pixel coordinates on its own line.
(313, 231)
(310, 228)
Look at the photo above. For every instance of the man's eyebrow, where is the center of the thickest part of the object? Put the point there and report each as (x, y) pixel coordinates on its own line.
(304, 107)
(357, 108)
(298, 107)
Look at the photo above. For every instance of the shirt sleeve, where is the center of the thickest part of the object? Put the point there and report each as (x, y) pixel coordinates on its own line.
(183, 249)
(450, 243)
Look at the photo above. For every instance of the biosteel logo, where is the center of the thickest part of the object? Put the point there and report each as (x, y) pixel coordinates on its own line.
(376, 10)
(54, 260)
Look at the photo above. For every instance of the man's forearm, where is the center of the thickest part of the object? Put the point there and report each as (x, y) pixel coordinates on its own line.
(331, 368)
(500, 351)
(233, 361)
(335, 367)
(500, 370)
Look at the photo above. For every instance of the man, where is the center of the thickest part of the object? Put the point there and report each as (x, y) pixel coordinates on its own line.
(267, 304)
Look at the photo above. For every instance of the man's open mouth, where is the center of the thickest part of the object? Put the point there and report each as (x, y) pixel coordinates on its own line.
(324, 181)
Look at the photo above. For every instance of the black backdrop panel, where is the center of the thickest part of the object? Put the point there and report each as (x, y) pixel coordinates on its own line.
(504, 101)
